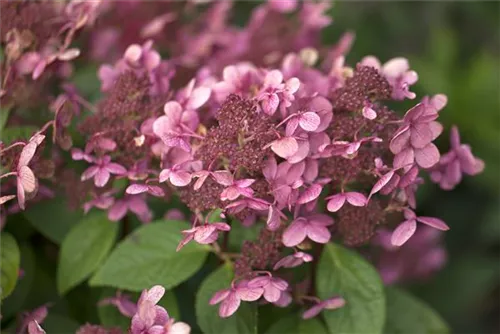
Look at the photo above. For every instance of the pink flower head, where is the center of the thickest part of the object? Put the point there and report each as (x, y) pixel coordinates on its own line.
(149, 318)
(253, 203)
(122, 302)
(103, 202)
(31, 320)
(458, 161)
(308, 121)
(407, 228)
(274, 91)
(77, 154)
(230, 299)
(314, 227)
(177, 175)
(102, 170)
(203, 234)
(236, 189)
(144, 56)
(398, 74)
(237, 79)
(193, 98)
(273, 287)
(294, 260)
(135, 189)
(327, 304)
(133, 203)
(335, 202)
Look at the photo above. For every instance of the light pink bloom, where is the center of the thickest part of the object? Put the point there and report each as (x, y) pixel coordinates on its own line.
(314, 227)
(203, 234)
(274, 91)
(327, 304)
(335, 202)
(149, 317)
(230, 299)
(102, 170)
(133, 203)
(35, 328)
(122, 303)
(237, 189)
(407, 228)
(273, 287)
(274, 218)
(193, 98)
(177, 175)
(103, 202)
(253, 203)
(135, 189)
(294, 260)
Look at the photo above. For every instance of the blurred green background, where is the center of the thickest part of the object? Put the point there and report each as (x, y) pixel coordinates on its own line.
(455, 48)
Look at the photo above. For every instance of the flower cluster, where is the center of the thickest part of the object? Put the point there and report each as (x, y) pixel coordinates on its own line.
(257, 122)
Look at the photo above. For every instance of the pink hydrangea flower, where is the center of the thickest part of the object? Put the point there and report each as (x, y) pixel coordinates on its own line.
(407, 228)
(313, 227)
(135, 189)
(294, 260)
(335, 202)
(230, 299)
(273, 287)
(26, 179)
(122, 302)
(236, 189)
(327, 304)
(203, 234)
(101, 171)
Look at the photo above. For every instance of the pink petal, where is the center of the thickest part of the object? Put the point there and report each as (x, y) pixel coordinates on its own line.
(198, 97)
(155, 294)
(334, 303)
(136, 189)
(420, 135)
(313, 311)
(369, 113)
(229, 305)
(355, 198)
(249, 294)
(118, 211)
(115, 168)
(294, 172)
(309, 121)
(180, 178)
(400, 140)
(28, 179)
(436, 129)
(34, 328)
(244, 183)
(89, 173)
(259, 281)
(156, 191)
(101, 177)
(409, 177)
(270, 105)
(454, 137)
(301, 154)
(404, 158)
(69, 54)
(310, 194)
(223, 177)
(206, 234)
(133, 53)
(39, 68)
(271, 293)
(335, 202)
(273, 219)
(273, 78)
(6, 198)
(21, 196)
(270, 168)
(434, 222)
(285, 147)
(180, 328)
(403, 232)
(381, 183)
(279, 283)
(295, 233)
(222, 226)
(318, 233)
(27, 153)
(219, 296)
(291, 126)
(187, 238)
(428, 156)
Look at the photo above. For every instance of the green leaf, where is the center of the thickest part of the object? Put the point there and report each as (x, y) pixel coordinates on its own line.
(4, 116)
(10, 257)
(12, 134)
(111, 317)
(12, 304)
(344, 272)
(244, 321)
(53, 218)
(55, 323)
(295, 324)
(84, 249)
(407, 314)
(148, 257)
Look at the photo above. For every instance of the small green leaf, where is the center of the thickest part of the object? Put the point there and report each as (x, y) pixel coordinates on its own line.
(84, 249)
(4, 116)
(12, 304)
(12, 134)
(111, 317)
(295, 324)
(53, 218)
(344, 272)
(148, 257)
(10, 257)
(407, 314)
(244, 321)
